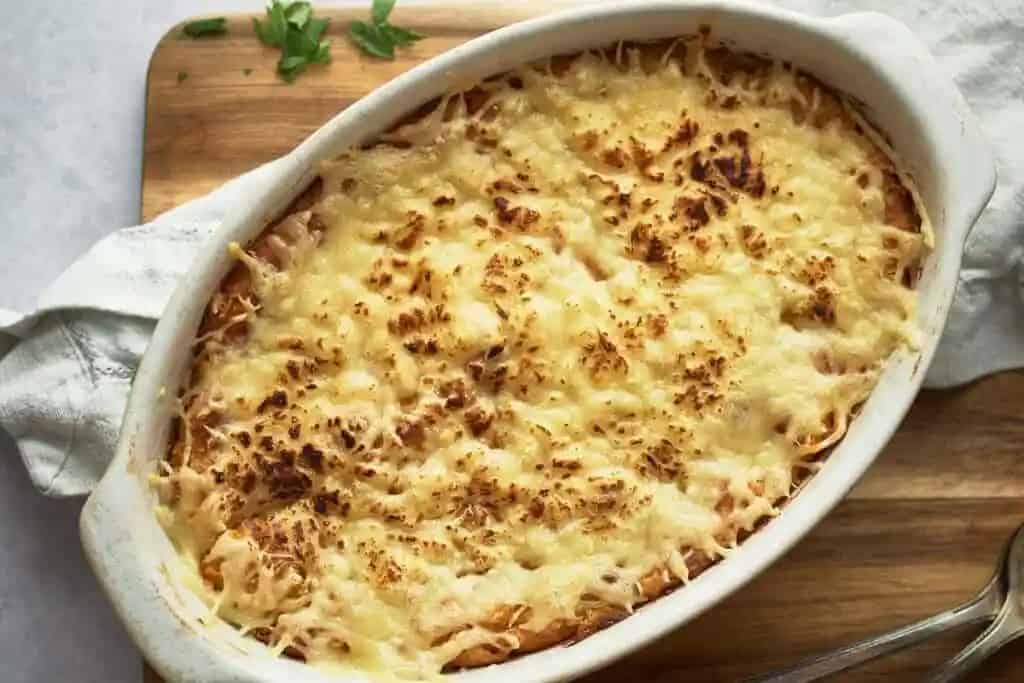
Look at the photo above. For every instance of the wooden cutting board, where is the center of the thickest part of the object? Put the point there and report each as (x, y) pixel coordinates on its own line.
(919, 534)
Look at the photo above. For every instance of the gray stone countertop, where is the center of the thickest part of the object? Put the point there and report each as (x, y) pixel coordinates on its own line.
(71, 120)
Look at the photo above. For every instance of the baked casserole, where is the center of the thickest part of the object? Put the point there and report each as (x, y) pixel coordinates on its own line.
(547, 349)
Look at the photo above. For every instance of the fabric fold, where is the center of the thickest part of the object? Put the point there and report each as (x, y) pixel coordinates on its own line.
(64, 382)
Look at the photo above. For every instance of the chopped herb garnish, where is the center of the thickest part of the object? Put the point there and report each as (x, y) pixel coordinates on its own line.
(291, 26)
(246, 72)
(379, 38)
(371, 40)
(206, 27)
(380, 11)
(182, 75)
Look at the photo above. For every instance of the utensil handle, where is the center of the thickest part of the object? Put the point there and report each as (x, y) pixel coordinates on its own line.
(818, 666)
(1002, 630)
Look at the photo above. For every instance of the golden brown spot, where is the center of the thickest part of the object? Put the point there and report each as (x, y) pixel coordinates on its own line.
(900, 209)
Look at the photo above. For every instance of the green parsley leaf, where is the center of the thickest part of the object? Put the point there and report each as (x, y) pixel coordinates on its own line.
(261, 31)
(298, 13)
(380, 11)
(206, 27)
(400, 36)
(290, 25)
(323, 53)
(370, 39)
(290, 67)
(298, 43)
(182, 75)
(315, 28)
(279, 20)
(272, 32)
(246, 72)
(379, 38)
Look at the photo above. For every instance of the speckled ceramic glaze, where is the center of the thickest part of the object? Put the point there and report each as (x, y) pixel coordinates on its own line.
(875, 59)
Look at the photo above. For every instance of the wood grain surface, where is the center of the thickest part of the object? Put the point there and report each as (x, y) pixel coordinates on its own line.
(917, 535)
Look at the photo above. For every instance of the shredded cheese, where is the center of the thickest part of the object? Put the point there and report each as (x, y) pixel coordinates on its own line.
(539, 356)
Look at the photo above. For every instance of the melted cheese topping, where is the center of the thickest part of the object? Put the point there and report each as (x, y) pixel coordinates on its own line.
(537, 357)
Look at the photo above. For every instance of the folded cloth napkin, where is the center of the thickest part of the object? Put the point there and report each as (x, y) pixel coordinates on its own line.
(64, 384)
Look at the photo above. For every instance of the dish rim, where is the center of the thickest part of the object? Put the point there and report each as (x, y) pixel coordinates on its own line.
(138, 588)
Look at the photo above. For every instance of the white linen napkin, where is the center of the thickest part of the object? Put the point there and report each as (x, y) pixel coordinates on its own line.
(64, 384)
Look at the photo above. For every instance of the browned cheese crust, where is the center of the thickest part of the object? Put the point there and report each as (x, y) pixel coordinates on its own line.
(732, 169)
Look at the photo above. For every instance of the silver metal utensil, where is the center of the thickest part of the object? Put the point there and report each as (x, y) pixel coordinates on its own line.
(1007, 625)
(999, 602)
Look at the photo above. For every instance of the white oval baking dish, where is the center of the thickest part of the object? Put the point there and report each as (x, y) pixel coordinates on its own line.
(873, 58)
